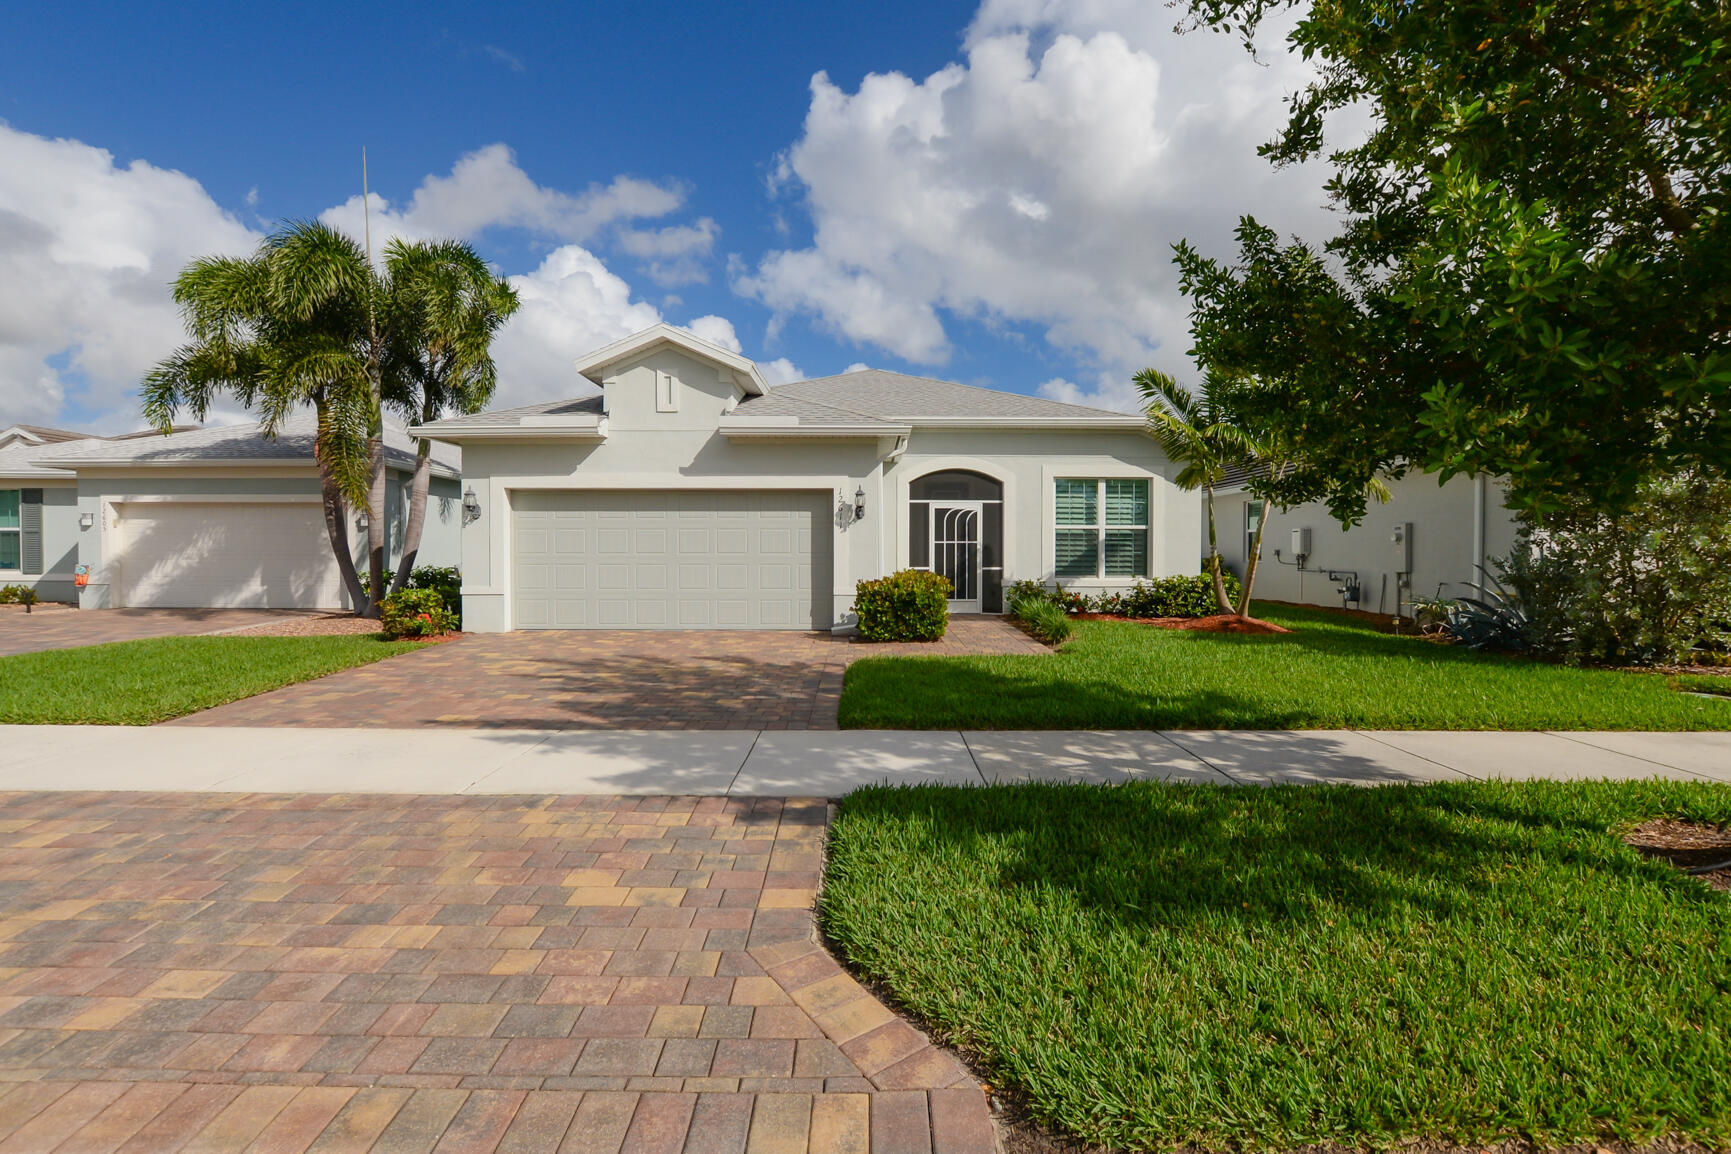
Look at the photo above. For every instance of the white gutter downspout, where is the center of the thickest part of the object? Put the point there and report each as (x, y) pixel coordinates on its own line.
(1477, 576)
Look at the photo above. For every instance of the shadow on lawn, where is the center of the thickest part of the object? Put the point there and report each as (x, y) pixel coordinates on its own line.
(965, 693)
(1287, 859)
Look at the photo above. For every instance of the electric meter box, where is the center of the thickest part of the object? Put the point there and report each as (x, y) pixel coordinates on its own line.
(1402, 540)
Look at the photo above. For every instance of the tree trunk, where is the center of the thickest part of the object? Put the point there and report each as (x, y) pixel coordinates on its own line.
(1250, 563)
(336, 518)
(1220, 598)
(417, 513)
(376, 528)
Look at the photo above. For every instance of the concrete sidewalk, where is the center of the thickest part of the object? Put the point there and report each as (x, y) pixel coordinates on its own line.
(746, 763)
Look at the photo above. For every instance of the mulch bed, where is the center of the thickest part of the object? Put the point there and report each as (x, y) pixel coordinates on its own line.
(39, 607)
(1218, 623)
(1687, 846)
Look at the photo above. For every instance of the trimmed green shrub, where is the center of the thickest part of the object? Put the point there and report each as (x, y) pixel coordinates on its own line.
(1046, 620)
(15, 594)
(446, 579)
(415, 613)
(1191, 596)
(912, 605)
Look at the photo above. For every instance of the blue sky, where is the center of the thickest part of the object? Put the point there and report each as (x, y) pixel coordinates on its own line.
(983, 192)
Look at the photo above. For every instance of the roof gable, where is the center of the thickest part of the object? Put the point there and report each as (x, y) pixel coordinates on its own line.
(595, 365)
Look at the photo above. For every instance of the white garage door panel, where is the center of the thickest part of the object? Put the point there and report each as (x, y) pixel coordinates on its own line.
(671, 560)
(185, 555)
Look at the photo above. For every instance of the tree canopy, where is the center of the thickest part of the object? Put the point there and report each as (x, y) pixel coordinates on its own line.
(1533, 277)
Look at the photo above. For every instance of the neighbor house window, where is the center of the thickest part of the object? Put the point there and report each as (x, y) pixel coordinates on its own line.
(1253, 513)
(1101, 530)
(11, 535)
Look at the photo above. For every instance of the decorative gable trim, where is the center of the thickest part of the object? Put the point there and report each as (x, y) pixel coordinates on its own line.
(744, 371)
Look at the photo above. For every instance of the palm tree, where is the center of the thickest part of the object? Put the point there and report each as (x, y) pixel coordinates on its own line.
(446, 307)
(1198, 430)
(286, 327)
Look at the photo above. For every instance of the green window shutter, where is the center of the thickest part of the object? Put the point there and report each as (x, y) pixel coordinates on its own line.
(30, 520)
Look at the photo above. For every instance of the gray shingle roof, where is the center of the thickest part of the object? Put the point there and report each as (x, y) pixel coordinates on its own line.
(781, 403)
(899, 397)
(236, 443)
(570, 407)
(44, 433)
(27, 460)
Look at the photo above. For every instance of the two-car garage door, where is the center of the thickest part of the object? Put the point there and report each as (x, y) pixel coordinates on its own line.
(238, 555)
(671, 560)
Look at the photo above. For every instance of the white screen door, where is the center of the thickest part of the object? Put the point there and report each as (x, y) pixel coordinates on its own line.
(956, 551)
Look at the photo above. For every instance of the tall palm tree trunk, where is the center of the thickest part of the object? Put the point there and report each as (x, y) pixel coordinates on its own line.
(376, 528)
(1250, 564)
(336, 517)
(1220, 598)
(417, 513)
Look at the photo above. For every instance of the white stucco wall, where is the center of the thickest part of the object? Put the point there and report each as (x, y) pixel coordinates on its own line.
(650, 449)
(59, 540)
(1443, 547)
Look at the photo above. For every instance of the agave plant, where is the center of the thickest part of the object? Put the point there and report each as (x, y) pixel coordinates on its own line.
(1492, 620)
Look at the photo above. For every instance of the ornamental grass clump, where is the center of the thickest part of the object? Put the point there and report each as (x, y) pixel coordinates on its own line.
(1045, 619)
(416, 613)
(912, 605)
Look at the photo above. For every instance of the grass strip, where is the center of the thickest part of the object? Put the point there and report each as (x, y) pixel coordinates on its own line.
(141, 682)
(1156, 965)
(1332, 672)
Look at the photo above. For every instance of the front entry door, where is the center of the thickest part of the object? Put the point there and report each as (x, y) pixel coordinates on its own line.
(956, 551)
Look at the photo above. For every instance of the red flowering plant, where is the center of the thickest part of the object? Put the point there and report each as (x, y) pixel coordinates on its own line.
(416, 613)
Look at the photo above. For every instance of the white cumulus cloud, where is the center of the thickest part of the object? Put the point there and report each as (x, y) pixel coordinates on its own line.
(486, 189)
(1040, 180)
(780, 371)
(88, 248)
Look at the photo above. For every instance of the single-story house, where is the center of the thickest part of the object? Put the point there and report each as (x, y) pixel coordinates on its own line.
(199, 518)
(1429, 540)
(688, 494)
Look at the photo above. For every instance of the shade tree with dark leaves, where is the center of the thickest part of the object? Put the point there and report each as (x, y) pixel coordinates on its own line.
(1533, 277)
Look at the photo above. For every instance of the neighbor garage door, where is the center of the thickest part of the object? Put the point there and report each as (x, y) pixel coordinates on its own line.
(228, 555)
(671, 560)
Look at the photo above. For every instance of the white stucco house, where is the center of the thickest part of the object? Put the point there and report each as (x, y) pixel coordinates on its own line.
(199, 518)
(688, 494)
(1428, 540)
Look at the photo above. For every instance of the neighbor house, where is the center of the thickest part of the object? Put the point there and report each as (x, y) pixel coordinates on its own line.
(686, 493)
(1429, 540)
(199, 518)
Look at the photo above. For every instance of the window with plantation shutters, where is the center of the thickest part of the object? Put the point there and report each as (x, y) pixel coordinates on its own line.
(1101, 528)
(11, 531)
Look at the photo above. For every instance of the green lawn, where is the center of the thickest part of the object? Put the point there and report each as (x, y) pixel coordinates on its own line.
(1158, 965)
(1333, 672)
(140, 682)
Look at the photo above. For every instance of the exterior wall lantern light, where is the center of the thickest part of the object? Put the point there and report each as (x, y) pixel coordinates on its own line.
(86, 520)
(471, 506)
(859, 503)
(362, 521)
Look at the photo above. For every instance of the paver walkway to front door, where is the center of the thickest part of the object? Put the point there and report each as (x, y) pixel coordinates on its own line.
(221, 972)
(603, 679)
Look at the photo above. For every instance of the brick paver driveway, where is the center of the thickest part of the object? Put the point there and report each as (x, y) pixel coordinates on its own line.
(602, 679)
(224, 972)
(66, 628)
